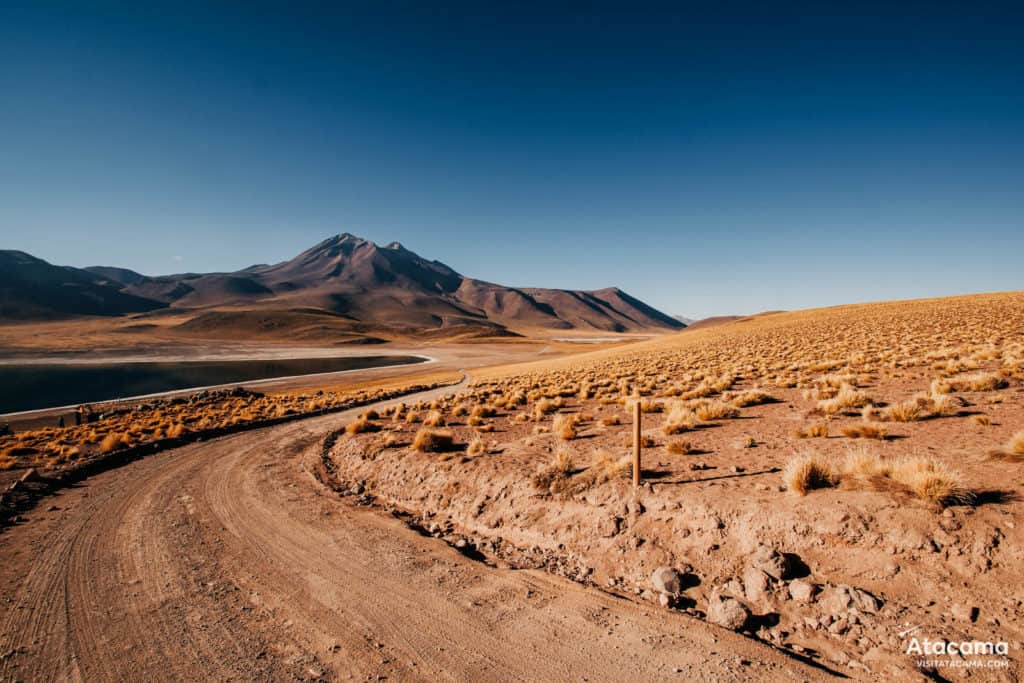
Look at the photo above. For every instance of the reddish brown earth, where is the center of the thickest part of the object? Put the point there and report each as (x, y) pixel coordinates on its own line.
(228, 560)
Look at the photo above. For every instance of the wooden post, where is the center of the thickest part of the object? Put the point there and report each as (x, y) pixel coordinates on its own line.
(636, 442)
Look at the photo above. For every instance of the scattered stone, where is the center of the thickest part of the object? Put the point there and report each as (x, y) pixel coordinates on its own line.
(842, 598)
(772, 562)
(756, 584)
(964, 612)
(727, 612)
(802, 591)
(667, 580)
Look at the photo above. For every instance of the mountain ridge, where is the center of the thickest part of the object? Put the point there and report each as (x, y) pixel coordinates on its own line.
(351, 278)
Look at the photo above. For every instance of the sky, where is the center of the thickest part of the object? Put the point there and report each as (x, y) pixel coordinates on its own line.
(714, 158)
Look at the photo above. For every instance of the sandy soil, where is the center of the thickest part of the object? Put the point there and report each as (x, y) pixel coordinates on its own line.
(227, 560)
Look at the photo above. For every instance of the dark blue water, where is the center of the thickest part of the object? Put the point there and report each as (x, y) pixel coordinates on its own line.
(27, 387)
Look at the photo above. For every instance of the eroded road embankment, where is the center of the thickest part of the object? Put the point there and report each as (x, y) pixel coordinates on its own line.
(227, 560)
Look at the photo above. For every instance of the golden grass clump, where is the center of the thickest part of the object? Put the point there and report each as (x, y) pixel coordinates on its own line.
(981, 420)
(477, 447)
(817, 430)
(361, 426)
(905, 411)
(716, 410)
(865, 430)
(679, 419)
(806, 472)
(682, 447)
(434, 419)
(1016, 444)
(982, 381)
(564, 427)
(611, 421)
(751, 397)
(433, 441)
(113, 441)
(847, 398)
(1013, 451)
(558, 469)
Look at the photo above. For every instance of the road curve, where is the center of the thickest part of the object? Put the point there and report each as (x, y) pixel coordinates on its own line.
(226, 560)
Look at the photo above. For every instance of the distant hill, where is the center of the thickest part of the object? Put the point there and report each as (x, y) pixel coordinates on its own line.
(347, 283)
(32, 289)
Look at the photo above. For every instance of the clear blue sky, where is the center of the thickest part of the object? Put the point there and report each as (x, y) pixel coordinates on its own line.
(708, 160)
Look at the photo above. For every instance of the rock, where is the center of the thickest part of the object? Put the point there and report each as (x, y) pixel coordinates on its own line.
(842, 598)
(755, 583)
(30, 475)
(964, 612)
(609, 526)
(772, 562)
(667, 580)
(727, 613)
(802, 591)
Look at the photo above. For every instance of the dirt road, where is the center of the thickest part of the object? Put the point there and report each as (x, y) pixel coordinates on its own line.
(226, 560)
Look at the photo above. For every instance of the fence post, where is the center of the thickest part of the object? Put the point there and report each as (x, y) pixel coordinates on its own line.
(636, 441)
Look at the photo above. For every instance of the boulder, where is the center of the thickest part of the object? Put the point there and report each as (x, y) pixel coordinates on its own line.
(727, 613)
(802, 591)
(772, 562)
(667, 580)
(756, 583)
(841, 598)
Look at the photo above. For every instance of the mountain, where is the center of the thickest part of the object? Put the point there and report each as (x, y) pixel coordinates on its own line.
(32, 289)
(352, 284)
(684, 320)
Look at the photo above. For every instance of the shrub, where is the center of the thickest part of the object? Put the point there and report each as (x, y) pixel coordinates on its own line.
(112, 441)
(564, 427)
(716, 410)
(611, 421)
(816, 430)
(558, 469)
(434, 419)
(806, 472)
(433, 441)
(679, 447)
(360, 426)
(477, 447)
(752, 397)
(866, 430)
(905, 411)
(679, 419)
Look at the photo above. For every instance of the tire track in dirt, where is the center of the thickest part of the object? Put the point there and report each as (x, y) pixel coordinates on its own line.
(227, 560)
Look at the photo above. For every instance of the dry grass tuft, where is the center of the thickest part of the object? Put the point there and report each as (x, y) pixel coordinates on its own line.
(434, 419)
(679, 447)
(818, 430)
(981, 420)
(477, 447)
(433, 441)
(557, 470)
(752, 397)
(1013, 451)
(679, 419)
(905, 411)
(806, 472)
(112, 442)
(361, 426)
(866, 430)
(564, 427)
(716, 410)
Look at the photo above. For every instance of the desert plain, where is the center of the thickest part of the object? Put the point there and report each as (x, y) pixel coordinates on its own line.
(818, 488)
